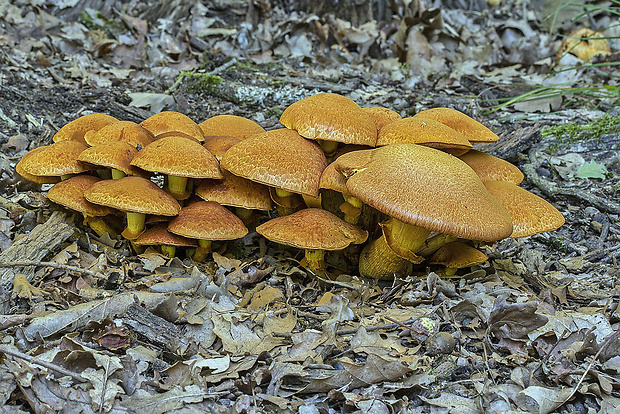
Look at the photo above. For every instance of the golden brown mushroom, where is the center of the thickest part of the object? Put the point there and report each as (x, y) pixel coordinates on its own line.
(75, 130)
(231, 125)
(456, 255)
(472, 129)
(166, 123)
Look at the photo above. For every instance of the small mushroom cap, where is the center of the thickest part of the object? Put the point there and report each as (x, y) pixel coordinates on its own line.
(133, 194)
(472, 129)
(585, 44)
(75, 130)
(332, 179)
(60, 158)
(530, 214)
(207, 220)
(163, 123)
(159, 235)
(231, 125)
(312, 228)
(218, 145)
(425, 187)
(112, 154)
(280, 158)
(330, 117)
(236, 192)
(179, 156)
(38, 179)
(70, 193)
(458, 254)
(125, 131)
(491, 168)
(382, 116)
(423, 131)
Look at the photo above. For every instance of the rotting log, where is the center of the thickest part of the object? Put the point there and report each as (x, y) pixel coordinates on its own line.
(38, 244)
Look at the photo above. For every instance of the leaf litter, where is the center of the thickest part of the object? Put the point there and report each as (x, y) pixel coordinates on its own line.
(253, 331)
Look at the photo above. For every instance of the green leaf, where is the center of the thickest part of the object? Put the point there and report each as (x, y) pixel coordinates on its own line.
(591, 169)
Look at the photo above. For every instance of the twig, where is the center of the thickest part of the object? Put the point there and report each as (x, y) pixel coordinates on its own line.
(610, 339)
(54, 265)
(386, 326)
(45, 364)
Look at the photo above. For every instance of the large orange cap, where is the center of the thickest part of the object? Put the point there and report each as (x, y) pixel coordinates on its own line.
(530, 214)
(457, 254)
(70, 193)
(75, 130)
(112, 154)
(472, 129)
(133, 194)
(159, 235)
(179, 156)
(218, 145)
(235, 191)
(125, 131)
(38, 179)
(382, 116)
(280, 158)
(312, 228)
(330, 117)
(332, 179)
(207, 220)
(490, 168)
(231, 125)
(60, 158)
(423, 131)
(427, 188)
(164, 123)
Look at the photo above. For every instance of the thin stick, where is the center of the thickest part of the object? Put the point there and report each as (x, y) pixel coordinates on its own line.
(610, 339)
(386, 326)
(54, 265)
(45, 364)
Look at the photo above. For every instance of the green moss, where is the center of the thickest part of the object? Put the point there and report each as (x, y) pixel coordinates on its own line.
(273, 111)
(199, 82)
(572, 132)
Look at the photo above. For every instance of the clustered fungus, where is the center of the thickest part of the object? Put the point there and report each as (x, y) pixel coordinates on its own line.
(332, 164)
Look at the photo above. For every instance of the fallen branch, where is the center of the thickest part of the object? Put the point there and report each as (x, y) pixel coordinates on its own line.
(77, 377)
(54, 265)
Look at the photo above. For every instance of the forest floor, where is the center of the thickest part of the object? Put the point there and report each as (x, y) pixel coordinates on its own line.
(88, 326)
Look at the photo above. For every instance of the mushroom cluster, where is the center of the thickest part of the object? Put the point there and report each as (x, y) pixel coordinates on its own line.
(331, 167)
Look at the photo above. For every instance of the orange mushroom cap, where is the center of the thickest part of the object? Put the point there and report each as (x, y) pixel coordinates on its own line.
(472, 129)
(491, 168)
(231, 125)
(125, 131)
(75, 130)
(164, 123)
(207, 220)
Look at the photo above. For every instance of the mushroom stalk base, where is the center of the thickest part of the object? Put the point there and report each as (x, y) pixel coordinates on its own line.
(116, 174)
(316, 261)
(169, 251)
(245, 215)
(176, 186)
(203, 249)
(407, 235)
(328, 147)
(135, 225)
(432, 244)
(378, 261)
(99, 226)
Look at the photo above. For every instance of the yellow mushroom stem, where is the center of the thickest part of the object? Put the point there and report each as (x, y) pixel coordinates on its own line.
(246, 215)
(284, 205)
(408, 236)
(378, 261)
(99, 225)
(450, 271)
(177, 185)
(316, 261)
(135, 225)
(66, 177)
(432, 244)
(116, 174)
(352, 209)
(168, 250)
(328, 147)
(203, 249)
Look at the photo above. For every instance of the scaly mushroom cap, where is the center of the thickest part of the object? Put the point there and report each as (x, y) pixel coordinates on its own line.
(218, 145)
(457, 255)
(60, 158)
(331, 179)
(75, 130)
(207, 220)
(70, 193)
(38, 179)
(423, 131)
(585, 44)
(133, 194)
(125, 131)
(112, 154)
(179, 156)
(231, 125)
(427, 188)
(280, 158)
(164, 123)
(312, 228)
(330, 117)
(490, 168)
(382, 116)
(159, 235)
(530, 214)
(236, 192)
(472, 129)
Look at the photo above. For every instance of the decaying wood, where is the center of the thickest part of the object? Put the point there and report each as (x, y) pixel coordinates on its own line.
(38, 244)
(510, 145)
